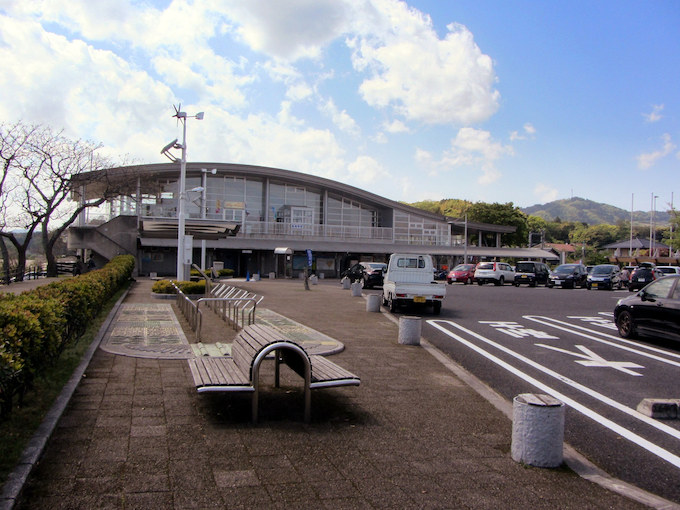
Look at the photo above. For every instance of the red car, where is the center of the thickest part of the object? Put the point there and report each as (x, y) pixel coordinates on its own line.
(462, 273)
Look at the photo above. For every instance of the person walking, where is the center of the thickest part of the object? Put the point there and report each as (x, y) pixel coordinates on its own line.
(79, 266)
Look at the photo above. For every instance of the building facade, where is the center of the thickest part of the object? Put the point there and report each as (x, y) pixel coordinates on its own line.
(260, 220)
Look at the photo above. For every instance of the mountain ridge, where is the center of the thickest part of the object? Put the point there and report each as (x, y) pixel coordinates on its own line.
(591, 212)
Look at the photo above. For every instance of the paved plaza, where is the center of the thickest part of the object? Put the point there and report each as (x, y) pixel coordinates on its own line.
(136, 434)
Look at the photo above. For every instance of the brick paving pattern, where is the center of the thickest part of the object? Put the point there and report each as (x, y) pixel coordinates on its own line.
(137, 435)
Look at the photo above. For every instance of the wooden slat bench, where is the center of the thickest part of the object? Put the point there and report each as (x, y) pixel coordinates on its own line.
(240, 373)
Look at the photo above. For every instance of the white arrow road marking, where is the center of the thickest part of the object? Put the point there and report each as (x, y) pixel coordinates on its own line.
(598, 418)
(594, 360)
(619, 343)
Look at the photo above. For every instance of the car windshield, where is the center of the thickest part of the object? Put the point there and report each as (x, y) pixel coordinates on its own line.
(566, 269)
(377, 266)
(525, 268)
(485, 265)
(666, 270)
(463, 267)
(659, 289)
(602, 270)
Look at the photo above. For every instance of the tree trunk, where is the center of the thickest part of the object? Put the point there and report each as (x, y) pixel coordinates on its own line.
(5, 261)
(48, 248)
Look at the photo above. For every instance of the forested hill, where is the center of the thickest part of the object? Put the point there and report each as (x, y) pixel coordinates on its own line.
(592, 213)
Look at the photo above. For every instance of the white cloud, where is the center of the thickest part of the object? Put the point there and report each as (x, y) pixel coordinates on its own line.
(647, 160)
(419, 76)
(477, 147)
(655, 114)
(365, 170)
(529, 131)
(290, 30)
(545, 193)
(472, 148)
(341, 119)
(396, 126)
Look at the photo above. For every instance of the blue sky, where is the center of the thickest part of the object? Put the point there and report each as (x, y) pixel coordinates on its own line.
(494, 101)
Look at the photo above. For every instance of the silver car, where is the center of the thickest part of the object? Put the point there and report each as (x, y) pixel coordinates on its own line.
(494, 272)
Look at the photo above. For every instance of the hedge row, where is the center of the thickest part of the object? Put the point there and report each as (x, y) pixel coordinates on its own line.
(36, 326)
(188, 287)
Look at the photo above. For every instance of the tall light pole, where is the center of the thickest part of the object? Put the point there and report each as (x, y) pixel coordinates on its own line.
(651, 225)
(181, 214)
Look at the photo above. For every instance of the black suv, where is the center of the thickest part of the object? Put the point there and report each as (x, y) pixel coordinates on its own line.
(645, 273)
(569, 276)
(532, 273)
(369, 274)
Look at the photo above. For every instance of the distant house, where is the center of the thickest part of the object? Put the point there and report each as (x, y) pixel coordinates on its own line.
(561, 250)
(636, 250)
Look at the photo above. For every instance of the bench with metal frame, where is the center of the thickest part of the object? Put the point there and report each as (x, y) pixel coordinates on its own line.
(252, 345)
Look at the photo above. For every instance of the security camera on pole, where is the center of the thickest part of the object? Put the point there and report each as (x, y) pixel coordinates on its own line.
(183, 258)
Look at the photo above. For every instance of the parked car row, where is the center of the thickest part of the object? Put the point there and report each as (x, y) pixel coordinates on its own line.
(529, 272)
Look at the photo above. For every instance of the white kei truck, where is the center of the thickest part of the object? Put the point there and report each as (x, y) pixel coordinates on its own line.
(409, 280)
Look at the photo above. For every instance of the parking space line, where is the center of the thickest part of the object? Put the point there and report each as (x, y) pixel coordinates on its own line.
(617, 341)
(631, 436)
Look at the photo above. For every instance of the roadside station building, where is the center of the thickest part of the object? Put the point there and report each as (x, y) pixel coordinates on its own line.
(259, 220)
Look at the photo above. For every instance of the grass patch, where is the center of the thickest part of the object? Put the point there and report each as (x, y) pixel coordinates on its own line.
(18, 428)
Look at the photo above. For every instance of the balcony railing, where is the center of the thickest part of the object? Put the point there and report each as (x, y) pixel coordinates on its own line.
(273, 230)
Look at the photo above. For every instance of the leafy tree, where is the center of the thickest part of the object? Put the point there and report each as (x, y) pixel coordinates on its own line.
(455, 207)
(536, 225)
(502, 214)
(673, 228)
(39, 165)
(595, 236)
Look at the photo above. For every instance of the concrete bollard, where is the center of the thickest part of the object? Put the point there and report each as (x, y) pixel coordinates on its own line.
(256, 277)
(314, 280)
(346, 283)
(537, 430)
(272, 275)
(410, 329)
(356, 289)
(373, 302)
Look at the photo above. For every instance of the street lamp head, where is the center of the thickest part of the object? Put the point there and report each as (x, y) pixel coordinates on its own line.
(171, 145)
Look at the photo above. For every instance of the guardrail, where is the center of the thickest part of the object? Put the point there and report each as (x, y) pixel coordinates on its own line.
(233, 305)
(190, 310)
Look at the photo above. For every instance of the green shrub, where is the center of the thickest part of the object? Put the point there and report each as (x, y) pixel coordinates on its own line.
(188, 287)
(37, 325)
(163, 287)
(192, 287)
(226, 272)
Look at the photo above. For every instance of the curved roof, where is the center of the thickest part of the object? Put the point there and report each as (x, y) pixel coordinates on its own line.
(124, 180)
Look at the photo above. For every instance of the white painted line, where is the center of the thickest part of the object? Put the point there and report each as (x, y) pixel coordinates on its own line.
(590, 359)
(571, 328)
(631, 436)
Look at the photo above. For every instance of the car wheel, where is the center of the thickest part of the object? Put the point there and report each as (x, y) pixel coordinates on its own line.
(436, 307)
(500, 281)
(468, 281)
(392, 304)
(480, 282)
(450, 282)
(625, 324)
(588, 286)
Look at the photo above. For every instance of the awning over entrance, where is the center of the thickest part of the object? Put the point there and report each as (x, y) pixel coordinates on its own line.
(200, 229)
(283, 251)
